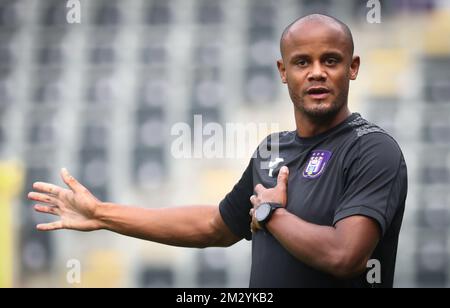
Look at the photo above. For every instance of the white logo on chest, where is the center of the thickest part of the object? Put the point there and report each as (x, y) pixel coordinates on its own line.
(273, 164)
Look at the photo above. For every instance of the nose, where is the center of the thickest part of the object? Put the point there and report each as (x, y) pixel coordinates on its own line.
(317, 73)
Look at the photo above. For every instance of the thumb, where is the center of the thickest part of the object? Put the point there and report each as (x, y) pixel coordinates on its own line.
(70, 181)
(282, 180)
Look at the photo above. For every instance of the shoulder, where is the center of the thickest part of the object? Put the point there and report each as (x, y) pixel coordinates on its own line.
(362, 127)
(381, 143)
(370, 137)
(373, 145)
(377, 154)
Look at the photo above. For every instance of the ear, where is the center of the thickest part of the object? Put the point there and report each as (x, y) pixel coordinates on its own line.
(354, 67)
(282, 70)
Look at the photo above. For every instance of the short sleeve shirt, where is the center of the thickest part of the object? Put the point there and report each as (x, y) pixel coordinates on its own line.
(355, 168)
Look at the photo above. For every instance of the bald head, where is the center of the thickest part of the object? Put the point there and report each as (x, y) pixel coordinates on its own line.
(317, 19)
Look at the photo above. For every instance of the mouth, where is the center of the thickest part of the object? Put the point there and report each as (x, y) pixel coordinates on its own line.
(318, 93)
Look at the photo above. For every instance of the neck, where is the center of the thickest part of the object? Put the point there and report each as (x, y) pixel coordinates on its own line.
(310, 127)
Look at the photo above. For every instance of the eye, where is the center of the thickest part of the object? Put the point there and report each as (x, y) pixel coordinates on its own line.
(302, 62)
(331, 61)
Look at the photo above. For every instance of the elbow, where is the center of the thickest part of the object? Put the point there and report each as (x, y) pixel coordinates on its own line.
(219, 235)
(347, 266)
(210, 238)
(218, 239)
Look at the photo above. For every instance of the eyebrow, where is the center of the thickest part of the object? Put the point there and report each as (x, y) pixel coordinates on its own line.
(335, 54)
(300, 56)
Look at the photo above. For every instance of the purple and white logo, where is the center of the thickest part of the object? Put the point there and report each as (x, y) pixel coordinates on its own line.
(316, 163)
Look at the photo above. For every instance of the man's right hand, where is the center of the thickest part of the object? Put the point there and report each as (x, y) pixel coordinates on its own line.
(75, 206)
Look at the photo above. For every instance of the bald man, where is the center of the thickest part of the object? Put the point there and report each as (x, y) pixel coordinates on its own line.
(327, 214)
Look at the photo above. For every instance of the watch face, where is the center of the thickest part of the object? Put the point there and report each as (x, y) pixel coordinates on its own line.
(262, 212)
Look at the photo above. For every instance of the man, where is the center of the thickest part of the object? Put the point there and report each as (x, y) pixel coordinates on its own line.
(337, 195)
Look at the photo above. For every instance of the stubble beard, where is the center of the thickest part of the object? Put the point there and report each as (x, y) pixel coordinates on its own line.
(320, 115)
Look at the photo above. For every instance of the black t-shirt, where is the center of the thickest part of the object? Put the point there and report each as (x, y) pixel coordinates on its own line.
(353, 169)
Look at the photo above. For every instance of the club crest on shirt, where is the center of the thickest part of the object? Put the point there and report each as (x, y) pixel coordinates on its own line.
(316, 163)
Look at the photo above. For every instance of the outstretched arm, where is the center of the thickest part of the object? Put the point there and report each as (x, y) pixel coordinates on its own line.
(78, 209)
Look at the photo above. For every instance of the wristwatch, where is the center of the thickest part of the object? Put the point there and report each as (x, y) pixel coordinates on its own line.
(264, 212)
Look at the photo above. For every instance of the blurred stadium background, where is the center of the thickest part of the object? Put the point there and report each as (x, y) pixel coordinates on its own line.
(100, 98)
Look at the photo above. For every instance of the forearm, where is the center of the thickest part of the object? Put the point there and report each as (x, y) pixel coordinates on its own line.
(321, 247)
(189, 226)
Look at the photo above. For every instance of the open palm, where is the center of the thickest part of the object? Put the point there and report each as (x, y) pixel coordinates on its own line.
(75, 206)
